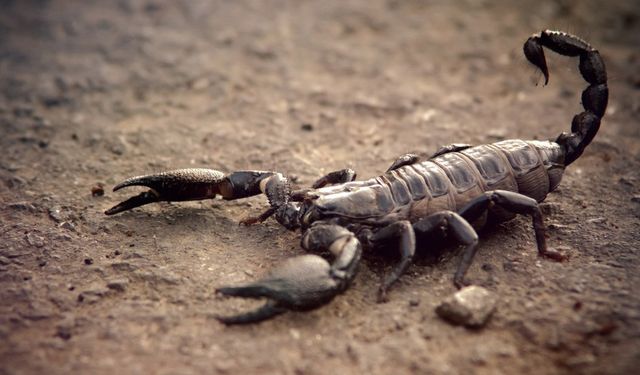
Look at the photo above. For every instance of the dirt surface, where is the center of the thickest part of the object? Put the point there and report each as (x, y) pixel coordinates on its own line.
(92, 92)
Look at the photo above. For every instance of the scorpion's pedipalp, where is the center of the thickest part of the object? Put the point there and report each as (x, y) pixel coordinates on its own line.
(304, 282)
(267, 311)
(176, 185)
(133, 202)
(299, 283)
(200, 183)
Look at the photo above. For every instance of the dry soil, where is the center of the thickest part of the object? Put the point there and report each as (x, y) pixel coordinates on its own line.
(92, 92)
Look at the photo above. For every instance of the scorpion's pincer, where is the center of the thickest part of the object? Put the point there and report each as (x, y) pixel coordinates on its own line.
(301, 283)
(176, 185)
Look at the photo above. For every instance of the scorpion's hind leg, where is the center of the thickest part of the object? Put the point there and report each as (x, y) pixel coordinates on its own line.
(304, 282)
(456, 226)
(407, 249)
(512, 202)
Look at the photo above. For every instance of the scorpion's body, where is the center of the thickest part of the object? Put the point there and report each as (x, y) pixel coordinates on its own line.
(458, 188)
(444, 182)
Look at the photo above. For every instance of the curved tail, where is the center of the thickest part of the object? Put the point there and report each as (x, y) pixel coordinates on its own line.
(585, 125)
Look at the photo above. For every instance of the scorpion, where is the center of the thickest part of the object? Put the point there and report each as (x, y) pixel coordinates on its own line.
(453, 193)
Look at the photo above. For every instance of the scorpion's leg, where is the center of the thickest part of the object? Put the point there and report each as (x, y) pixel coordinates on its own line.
(407, 247)
(336, 177)
(408, 159)
(402, 160)
(454, 147)
(513, 202)
(452, 224)
(304, 282)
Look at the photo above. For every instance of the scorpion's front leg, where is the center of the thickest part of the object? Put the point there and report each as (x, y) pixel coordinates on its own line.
(199, 183)
(304, 282)
(403, 160)
(336, 177)
(408, 159)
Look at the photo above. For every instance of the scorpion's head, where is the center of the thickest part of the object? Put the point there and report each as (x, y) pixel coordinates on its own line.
(289, 214)
(301, 213)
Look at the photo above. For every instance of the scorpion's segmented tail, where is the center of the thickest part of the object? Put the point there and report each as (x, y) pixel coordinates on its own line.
(585, 125)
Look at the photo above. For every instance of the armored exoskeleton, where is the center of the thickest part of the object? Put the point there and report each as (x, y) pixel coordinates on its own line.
(452, 193)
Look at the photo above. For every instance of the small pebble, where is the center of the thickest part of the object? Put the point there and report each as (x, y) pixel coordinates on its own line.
(58, 214)
(92, 295)
(35, 240)
(596, 220)
(67, 225)
(97, 190)
(118, 284)
(471, 306)
(625, 181)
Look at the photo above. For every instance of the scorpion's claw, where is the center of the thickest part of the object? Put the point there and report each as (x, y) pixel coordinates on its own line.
(268, 310)
(176, 185)
(133, 202)
(201, 183)
(301, 283)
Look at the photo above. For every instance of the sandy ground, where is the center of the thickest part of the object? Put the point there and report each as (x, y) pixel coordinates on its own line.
(92, 92)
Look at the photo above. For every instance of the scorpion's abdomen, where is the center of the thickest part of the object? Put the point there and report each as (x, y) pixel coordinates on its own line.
(446, 182)
(437, 186)
(528, 168)
(466, 182)
(453, 179)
